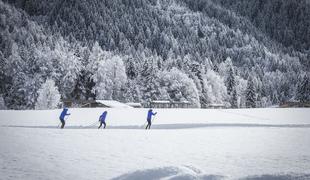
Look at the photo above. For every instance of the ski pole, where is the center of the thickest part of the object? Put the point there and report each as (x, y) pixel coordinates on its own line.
(66, 118)
(153, 119)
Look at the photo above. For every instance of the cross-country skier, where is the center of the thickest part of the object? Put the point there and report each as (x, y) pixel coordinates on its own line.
(149, 118)
(102, 119)
(62, 117)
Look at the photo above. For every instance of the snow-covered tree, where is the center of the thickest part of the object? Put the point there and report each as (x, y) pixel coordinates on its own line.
(179, 87)
(250, 93)
(215, 88)
(225, 67)
(265, 102)
(110, 78)
(48, 96)
(96, 55)
(2, 103)
(303, 90)
(149, 80)
(241, 85)
(234, 99)
(230, 81)
(132, 92)
(69, 68)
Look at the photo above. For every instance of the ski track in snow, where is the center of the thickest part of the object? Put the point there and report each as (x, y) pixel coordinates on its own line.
(178, 126)
(242, 144)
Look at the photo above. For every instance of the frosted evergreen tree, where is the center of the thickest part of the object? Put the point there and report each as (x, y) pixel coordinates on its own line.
(110, 79)
(2, 103)
(250, 94)
(215, 88)
(131, 92)
(179, 87)
(230, 82)
(69, 68)
(224, 68)
(48, 96)
(234, 99)
(131, 68)
(96, 55)
(241, 85)
(148, 80)
(231, 88)
(303, 90)
(14, 69)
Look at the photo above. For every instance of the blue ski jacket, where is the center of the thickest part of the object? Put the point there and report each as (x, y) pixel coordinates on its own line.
(150, 114)
(103, 116)
(63, 114)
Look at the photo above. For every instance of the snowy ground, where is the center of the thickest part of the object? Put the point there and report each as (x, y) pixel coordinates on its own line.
(184, 144)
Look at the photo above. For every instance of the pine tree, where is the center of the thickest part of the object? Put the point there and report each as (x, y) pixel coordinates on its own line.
(149, 80)
(200, 33)
(231, 88)
(250, 94)
(230, 82)
(303, 90)
(48, 96)
(131, 69)
(2, 103)
(234, 99)
(70, 67)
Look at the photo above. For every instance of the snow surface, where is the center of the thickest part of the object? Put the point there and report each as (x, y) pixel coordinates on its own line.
(183, 144)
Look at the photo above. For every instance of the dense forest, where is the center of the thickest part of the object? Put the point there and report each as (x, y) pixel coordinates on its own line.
(251, 53)
(284, 21)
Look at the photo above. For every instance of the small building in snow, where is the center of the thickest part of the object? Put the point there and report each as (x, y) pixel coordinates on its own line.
(134, 105)
(113, 104)
(216, 106)
(169, 104)
(292, 104)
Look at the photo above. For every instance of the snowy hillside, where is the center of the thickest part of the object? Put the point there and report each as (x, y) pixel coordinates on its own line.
(204, 52)
(183, 144)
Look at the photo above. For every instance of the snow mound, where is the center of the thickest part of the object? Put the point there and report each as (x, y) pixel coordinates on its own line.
(191, 173)
(279, 177)
(168, 173)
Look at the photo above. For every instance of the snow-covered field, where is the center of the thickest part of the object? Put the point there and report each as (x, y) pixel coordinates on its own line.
(182, 144)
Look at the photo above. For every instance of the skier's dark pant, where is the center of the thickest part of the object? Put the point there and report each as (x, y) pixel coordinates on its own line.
(62, 123)
(149, 123)
(101, 125)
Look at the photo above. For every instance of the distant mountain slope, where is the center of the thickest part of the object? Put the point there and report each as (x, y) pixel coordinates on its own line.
(287, 21)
